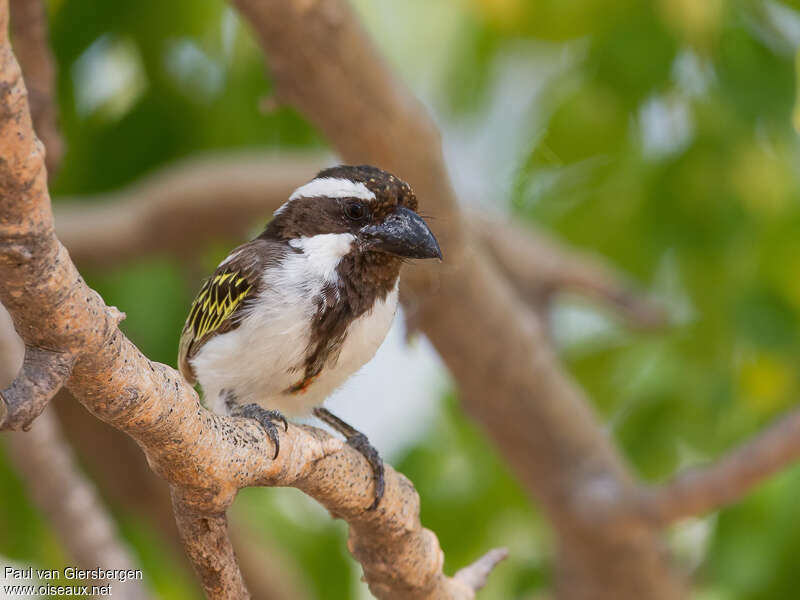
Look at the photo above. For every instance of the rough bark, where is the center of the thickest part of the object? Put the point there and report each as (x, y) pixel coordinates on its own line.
(32, 48)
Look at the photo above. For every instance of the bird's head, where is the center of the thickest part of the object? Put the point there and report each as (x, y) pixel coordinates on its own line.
(375, 207)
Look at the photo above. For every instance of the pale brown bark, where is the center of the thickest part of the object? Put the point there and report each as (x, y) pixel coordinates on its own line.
(205, 457)
(12, 350)
(704, 488)
(42, 457)
(32, 48)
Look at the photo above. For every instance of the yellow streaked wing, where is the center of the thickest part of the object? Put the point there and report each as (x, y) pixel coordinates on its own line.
(211, 313)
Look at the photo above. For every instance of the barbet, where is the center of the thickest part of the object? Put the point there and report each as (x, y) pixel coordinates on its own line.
(288, 317)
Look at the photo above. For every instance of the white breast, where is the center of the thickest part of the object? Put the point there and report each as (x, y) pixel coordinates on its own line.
(364, 336)
(256, 360)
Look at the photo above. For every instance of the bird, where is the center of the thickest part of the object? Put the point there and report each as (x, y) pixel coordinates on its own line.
(288, 317)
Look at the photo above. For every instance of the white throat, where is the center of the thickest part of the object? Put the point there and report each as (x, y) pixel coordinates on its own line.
(322, 253)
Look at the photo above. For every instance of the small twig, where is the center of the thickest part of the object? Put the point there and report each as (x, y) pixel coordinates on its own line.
(727, 479)
(539, 266)
(474, 576)
(44, 372)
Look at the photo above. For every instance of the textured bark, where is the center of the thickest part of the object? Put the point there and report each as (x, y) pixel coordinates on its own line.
(31, 46)
(43, 373)
(206, 540)
(205, 457)
(42, 457)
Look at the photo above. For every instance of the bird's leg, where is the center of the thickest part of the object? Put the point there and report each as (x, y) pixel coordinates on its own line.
(358, 441)
(266, 418)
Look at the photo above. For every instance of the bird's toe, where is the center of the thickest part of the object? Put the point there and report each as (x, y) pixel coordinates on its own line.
(266, 418)
(360, 442)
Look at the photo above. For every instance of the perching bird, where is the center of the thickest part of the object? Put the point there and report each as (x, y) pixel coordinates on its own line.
(288, 317)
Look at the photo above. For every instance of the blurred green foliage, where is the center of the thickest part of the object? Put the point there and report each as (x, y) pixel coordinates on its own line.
(663, 141)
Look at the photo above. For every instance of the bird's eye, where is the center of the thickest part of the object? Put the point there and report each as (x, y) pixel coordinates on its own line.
(355, 211)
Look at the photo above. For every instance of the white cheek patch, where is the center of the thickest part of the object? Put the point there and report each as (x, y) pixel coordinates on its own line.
(321, 254)
(330, 187)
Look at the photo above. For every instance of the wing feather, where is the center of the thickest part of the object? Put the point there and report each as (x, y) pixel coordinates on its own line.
(219, 303)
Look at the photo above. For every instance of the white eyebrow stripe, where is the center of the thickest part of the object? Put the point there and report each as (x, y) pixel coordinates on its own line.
(329, 187)
(333, 188)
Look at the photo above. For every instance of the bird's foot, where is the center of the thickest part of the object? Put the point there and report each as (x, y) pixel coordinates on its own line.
(266, 418)
(358, 441)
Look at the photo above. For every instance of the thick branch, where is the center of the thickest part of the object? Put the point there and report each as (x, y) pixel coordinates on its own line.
(208, 545)
(206, 457)
(43, 457)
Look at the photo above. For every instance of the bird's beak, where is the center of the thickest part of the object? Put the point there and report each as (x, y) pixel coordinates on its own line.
(402, 233)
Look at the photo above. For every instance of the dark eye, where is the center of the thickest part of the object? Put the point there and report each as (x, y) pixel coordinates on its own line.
(355, 211)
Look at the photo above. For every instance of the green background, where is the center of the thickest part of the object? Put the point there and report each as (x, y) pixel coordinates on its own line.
(657, 134)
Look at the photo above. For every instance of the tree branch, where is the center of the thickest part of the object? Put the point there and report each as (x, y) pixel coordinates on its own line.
(177, 209)
(43, 373)
(31, 46)
(12, 352)
(206, 457)
(728, 478)
(539, 266)
(45, 459)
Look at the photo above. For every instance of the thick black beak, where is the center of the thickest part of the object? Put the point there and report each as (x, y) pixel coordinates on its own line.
(402, 233)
